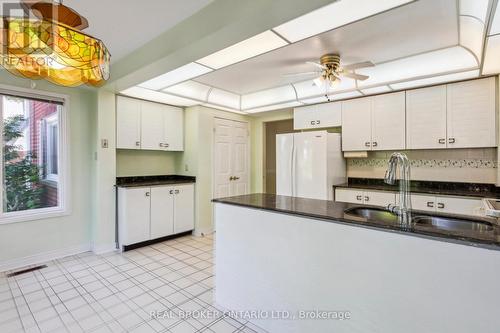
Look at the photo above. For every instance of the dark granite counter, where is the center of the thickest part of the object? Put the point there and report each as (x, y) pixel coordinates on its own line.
(333, 212)
(428, 187)
(140, 181)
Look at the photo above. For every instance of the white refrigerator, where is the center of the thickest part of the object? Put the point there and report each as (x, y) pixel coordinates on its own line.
(308, 164)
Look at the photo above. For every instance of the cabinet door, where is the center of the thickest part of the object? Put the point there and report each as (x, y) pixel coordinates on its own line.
(152, 126)
(421, 202)
(128, 123)
(173, 120)
(356, 124)
(134, 215)
(304, 117)
(348, 195)
(379, 198)
(328, 115)
(388, 121)
(183, 208)
(461, 206)
(426, 118)
(162, 211)
(471, 114)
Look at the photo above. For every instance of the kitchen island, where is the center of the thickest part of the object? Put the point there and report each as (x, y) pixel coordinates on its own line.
(307, 259)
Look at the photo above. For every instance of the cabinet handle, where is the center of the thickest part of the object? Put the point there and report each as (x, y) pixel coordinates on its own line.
(359, 197)
(451, 140)
(367, 198)
(171, 191)
(442, 141)
(166, 145)
(176, 191)
(430, 204)
(148, 194)
(375, 144)
(312, 122)
(138, 143)
(367, 144)
(318, 122)
(161, 144)
(440, 205)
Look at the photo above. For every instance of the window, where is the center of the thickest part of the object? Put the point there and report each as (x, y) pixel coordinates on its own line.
(33, 164)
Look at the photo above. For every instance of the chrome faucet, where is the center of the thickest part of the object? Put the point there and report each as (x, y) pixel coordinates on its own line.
(404, 208)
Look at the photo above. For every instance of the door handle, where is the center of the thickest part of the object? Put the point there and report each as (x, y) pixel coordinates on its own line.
(440, 205)
(442, 141)
(236, 178)
(367, 144)
(451, 140)
(430, 204)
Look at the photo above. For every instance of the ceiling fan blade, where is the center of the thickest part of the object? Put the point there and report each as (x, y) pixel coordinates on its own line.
(355, 76)
(300, 74)
(358, 65)
(315, 64)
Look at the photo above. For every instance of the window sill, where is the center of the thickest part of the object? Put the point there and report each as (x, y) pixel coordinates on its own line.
(49, 182)
(36, 214)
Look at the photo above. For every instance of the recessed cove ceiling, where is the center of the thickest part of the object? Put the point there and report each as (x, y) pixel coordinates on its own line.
(410, 43)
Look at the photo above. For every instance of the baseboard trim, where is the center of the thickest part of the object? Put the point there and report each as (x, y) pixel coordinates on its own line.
(105, 248)
(154, 241)
(200, 232)
(40, 258)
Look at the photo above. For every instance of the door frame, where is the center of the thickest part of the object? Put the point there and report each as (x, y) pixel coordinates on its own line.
(249, 152)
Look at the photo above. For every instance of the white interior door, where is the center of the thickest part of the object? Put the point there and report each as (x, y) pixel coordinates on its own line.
(284, 164)
(231, 164)
(310, 176)
(183, 208)
(162, 211)
(128, 123)
(152, 126)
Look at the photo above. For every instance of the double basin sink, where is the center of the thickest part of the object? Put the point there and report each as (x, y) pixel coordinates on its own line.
(434, 221)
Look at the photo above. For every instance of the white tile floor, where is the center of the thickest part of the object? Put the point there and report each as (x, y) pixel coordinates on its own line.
(118, 292)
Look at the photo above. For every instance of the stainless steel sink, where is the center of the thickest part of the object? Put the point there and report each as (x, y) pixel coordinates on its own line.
(373, 214)
(448, 223)
(438, 222)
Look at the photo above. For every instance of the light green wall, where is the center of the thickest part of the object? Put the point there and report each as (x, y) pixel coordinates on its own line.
(258, 144)
(198, 157)
(145, 162)
(25, 239)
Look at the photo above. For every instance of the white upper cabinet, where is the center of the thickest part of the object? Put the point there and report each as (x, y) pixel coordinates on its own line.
(471, 114)
(457, 115)
(318, 116)
(374, 123)
(388, 121)
(426, 118)
(356, 124)
(128, 123)
(148, 125)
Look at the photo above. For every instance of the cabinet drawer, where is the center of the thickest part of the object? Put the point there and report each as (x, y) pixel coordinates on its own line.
(421, 202)
(378, 198)
(318, 116)
(348, 195)
(460, 206)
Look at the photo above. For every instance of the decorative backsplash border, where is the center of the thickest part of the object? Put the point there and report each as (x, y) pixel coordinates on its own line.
(431, 163)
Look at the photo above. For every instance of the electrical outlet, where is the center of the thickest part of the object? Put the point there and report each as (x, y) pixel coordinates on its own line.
(104, 143)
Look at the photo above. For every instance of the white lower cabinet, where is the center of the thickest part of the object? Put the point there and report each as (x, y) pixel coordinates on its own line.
(359, 196)
(444, 204)
(147, 213)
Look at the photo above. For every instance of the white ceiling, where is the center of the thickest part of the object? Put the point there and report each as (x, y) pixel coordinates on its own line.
(391, 35)
(126, 25)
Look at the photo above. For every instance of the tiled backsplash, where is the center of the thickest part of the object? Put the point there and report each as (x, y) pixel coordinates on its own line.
(458, 165)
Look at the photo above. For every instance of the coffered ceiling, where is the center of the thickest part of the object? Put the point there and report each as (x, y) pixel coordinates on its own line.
(411, 43)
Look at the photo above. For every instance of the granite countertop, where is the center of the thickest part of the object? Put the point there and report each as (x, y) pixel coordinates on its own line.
(330, 211)
(140, 181)
(427, 187)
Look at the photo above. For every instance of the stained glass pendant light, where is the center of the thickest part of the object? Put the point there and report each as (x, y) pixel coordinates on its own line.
(47, 43)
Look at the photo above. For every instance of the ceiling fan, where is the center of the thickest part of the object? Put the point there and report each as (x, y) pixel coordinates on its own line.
(330, 72)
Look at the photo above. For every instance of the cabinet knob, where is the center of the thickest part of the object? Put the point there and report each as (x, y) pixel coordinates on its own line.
(440, 205)
(430, 204)
(451, 140)
(367, 144)
(442, 141)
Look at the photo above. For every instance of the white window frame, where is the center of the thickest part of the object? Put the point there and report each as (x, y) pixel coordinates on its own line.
(63, 186)
(48, 122)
